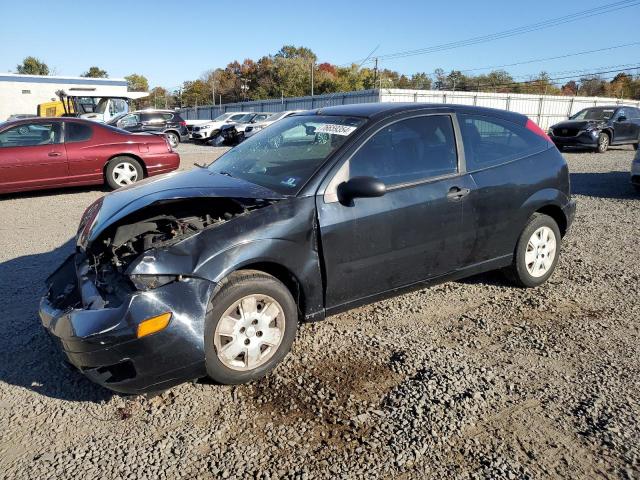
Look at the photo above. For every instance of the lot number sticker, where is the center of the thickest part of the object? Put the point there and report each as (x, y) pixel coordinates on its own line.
(334, 129)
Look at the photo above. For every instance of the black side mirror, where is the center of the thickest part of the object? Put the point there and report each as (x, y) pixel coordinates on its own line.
(310, 130)
(622, 118)
(361, 187)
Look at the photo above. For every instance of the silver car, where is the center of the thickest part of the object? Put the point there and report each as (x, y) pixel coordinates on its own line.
(635, 171)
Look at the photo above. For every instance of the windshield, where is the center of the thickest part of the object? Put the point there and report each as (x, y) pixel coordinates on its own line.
(222, 117)
(594, 114)
(284, 156)
(244, 118)
(114, 120)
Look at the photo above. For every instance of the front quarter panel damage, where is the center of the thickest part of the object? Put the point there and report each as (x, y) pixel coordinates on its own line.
(279, 234)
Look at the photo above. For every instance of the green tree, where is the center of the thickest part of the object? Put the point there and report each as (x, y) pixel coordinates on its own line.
(137, 83)
(95, 72)
(33, 66)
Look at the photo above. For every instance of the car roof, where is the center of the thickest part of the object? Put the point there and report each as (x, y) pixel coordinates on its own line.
(49, 119)
(385, 109)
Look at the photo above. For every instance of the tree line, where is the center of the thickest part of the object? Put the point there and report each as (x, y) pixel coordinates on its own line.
(295, 71)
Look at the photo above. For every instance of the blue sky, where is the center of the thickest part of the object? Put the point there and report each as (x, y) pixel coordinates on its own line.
(173, 41)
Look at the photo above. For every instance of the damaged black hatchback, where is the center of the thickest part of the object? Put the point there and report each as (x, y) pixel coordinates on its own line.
(209, 272)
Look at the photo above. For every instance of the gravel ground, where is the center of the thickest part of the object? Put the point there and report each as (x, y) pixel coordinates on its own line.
(471, 379)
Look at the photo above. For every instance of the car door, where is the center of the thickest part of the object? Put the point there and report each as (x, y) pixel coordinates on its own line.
(507, 163)
(32, 155)
(152, 122)
(130, 123)
(634, 118)
(623, 128)
(412, 233)
(85, 154)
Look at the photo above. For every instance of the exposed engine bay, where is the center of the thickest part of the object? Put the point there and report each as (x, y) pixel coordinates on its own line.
(159, 225)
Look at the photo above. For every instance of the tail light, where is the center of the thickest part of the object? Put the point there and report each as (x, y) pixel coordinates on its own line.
(532, 126)
(183, 123)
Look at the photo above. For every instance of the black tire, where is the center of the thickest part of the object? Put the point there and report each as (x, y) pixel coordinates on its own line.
(112, 178)
(603, 142)
(174, 139)
(231, 290)
(518, 272)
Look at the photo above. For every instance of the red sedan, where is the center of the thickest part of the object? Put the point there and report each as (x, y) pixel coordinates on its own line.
(39, 153)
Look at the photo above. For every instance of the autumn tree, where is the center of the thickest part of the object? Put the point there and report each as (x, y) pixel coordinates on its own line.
(95, 72)
(32, 66)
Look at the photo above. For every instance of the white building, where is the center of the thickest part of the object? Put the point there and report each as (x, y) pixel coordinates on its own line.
(21, 94)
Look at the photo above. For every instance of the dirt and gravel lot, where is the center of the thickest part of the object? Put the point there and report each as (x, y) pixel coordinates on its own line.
(472, 379)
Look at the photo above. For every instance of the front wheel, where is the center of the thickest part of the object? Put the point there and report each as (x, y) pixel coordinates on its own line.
(536, 253)
(249, 328)
(603, 143)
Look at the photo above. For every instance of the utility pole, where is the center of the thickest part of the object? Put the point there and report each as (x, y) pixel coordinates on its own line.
(213, 87)
(312, 69)
(375, 74)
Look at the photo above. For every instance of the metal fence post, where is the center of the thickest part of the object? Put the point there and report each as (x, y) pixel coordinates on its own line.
(540, 109)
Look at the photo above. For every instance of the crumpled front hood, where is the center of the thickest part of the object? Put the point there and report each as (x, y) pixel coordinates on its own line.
(199, 182)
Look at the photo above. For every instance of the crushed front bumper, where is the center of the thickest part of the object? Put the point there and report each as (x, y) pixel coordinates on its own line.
(102, 341)
(583, 139)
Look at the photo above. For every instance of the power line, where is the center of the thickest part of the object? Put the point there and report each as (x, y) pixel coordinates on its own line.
(612, 7)
(558, 57)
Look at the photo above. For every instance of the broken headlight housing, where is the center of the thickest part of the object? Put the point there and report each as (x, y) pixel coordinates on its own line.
(149, 282)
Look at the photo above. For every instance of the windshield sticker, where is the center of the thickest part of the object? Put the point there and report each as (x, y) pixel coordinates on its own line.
(291, 182)
(334, 129)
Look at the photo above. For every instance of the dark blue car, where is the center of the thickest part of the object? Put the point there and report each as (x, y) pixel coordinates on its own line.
(598, 128)
(209, 272)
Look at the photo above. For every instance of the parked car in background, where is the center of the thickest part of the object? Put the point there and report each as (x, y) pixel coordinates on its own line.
(19, 116)
(635, 172)
(233, 133)
(598, 128)
(251, 130)
(39, 153)
(166, 122)
(205, 131)
(208, 272)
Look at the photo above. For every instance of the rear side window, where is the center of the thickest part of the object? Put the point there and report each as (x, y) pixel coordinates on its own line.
(490, 141)
(408, 151)
(167, 116)
(77, 132)
(633, 113)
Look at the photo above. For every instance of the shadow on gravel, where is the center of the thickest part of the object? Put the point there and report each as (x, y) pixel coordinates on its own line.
(604, 185)
(494, 278)
(28, 357)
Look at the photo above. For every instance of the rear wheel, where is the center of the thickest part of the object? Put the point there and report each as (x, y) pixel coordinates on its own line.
(603, 142)
(123, 171)
(536, 253)
(249, 328)
(174, 139)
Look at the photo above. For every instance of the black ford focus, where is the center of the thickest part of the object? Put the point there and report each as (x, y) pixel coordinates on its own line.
(209, 272)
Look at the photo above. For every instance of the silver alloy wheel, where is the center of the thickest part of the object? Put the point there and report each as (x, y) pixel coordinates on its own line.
(249, 332)
(603, 142)
(173, 140)
(125, 173)
(540, 252)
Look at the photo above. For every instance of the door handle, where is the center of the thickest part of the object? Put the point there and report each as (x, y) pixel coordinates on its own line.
(54, 154)
(456, 193)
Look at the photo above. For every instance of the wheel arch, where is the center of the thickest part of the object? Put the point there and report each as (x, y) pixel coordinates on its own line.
(284, 275)
(548, 201)
(127, 154)
(558, 215)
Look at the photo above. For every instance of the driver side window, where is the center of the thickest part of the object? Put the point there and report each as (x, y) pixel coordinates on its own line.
(31, 135)
(408, 151)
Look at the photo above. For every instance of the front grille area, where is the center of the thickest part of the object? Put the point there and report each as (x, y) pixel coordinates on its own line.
(565, 132)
